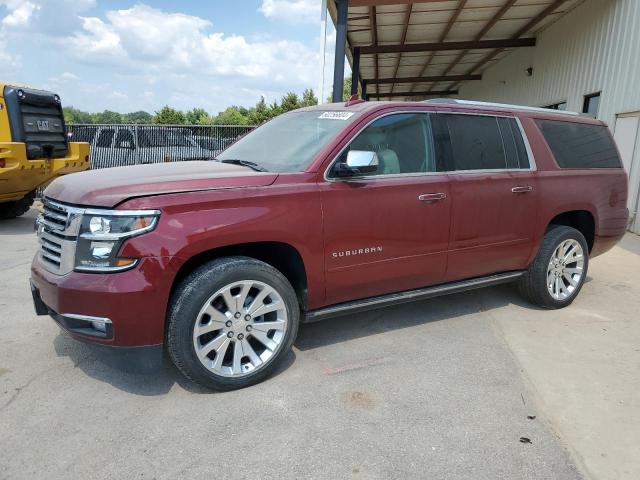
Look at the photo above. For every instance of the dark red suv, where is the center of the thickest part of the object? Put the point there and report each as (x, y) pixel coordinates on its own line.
(325, 211)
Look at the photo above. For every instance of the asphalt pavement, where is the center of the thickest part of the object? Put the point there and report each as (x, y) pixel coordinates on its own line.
(450, 388)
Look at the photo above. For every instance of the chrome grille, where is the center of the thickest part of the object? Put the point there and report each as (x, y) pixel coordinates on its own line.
(58, 228)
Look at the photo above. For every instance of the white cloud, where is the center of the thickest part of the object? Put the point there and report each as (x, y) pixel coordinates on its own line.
(143, 57)
(8, 60)
(292, 11)
(146, 39)
(49, 17)
(19, 14)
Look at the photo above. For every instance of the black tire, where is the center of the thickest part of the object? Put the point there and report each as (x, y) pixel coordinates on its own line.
(193, 293)
(17, 208)
(533, 284)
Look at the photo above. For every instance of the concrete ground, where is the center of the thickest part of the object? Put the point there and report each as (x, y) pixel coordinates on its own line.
(441, 389)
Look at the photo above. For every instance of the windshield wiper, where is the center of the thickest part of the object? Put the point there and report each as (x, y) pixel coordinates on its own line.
(244, 163)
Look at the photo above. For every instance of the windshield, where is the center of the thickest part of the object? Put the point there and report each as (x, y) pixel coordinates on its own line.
(288, 143)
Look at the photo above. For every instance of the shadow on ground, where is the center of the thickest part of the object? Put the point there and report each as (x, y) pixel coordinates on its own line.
(449, 307)
(99, 364)
(20, 225)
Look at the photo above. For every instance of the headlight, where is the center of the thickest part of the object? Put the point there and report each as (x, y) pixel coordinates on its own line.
(102, 233)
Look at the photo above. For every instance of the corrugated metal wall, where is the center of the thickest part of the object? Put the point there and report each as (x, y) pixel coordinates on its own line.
(595, 48)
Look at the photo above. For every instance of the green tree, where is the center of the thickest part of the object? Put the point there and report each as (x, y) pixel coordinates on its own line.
(168, 116)
(140, 117)
(107, 117)
(231, 116)
(260, 113)
(290, 102)
(309, 98)
(346, 91)
(275, 109)
(197, 116)
(73, 115)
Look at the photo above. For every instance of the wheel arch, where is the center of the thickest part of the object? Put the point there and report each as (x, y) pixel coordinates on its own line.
(282, 256)
(582, 220)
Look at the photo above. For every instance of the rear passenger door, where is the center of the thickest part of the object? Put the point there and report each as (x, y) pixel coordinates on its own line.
(493, 192)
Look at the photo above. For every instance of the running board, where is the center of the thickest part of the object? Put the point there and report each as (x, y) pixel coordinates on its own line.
(408, 296)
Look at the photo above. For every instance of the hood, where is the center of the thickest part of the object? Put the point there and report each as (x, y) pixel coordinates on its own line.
(111, 186)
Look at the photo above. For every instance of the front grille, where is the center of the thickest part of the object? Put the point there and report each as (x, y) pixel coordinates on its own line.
(58, 229)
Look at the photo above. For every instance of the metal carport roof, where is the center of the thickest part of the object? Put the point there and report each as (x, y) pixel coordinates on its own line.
(420, 49)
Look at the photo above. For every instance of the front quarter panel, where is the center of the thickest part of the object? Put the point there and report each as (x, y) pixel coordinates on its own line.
(289, 211)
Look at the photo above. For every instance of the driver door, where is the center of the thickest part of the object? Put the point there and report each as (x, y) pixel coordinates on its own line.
(387, 231)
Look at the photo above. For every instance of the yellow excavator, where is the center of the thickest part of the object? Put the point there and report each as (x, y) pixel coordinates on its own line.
(34, 148)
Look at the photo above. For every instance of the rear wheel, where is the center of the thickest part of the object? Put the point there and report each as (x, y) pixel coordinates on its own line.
(557, 274)
(231, 322)
(16, 208)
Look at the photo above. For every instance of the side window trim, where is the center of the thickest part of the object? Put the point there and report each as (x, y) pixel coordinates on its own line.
(327, 173)
(532, 165)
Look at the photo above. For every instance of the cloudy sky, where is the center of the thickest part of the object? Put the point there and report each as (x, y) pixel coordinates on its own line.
(128, 55)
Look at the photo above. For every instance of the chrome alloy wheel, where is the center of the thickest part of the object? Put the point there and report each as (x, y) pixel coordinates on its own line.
(565, 269)
(240, 328)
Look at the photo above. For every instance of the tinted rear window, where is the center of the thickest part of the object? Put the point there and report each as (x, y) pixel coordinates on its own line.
(476, 142)
(579, 145)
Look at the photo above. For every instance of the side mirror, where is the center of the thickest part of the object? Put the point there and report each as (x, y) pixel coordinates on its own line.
(359, 162)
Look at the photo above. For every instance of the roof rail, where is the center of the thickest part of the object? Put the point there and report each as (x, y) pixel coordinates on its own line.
(499, 105)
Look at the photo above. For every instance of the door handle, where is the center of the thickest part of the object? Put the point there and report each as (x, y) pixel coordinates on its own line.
(526, 189)
(432, 197)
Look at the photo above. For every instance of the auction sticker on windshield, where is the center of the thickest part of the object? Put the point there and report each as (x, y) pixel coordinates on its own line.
(336, 115)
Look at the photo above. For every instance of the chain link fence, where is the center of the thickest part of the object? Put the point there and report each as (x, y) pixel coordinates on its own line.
(120, 145)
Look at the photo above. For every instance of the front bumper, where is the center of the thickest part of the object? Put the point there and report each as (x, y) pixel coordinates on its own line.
(131, 304)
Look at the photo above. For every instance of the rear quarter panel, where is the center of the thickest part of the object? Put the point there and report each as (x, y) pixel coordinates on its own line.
(600, 191)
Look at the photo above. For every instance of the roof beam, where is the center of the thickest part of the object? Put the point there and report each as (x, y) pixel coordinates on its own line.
(489, 25)
(378, 3)
(373, 23)
(452, 20)
(433, 78)
(415, 94)
(444, 46)
(530, 24)
(407, 18)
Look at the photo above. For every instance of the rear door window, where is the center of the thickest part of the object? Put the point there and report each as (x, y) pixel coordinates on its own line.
(124, 139)
(105, 138)
(476, 142)
(514, 149)
(479, 142)
(580, 145)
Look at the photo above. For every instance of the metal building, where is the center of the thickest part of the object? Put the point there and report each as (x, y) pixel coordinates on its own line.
(579, 55)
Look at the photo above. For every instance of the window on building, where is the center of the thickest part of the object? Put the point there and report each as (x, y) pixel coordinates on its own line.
(580, 145)
(557, 106)
(591, 104)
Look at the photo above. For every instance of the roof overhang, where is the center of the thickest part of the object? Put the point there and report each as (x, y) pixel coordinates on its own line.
(427, 48)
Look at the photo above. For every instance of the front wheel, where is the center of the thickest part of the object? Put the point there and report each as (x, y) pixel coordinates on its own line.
(556, 275)
(231, 322)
